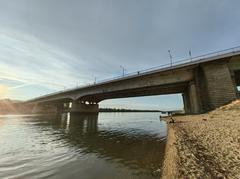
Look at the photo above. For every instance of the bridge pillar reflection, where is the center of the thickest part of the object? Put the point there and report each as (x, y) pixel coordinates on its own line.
(84, 123)
(78, 107)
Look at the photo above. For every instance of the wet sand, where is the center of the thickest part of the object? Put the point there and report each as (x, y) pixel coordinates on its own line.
(204, 146)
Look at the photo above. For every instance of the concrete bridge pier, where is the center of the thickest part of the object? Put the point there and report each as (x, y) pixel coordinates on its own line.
(40, 108)
(186, 102)
(219, 88)
(63, 107)
(78, 107)
(37, 109)
(191, 99)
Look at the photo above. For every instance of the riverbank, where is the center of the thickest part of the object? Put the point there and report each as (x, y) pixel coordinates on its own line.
(204, 146)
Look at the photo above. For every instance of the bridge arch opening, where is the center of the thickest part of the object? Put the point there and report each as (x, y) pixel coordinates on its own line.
(169, 102)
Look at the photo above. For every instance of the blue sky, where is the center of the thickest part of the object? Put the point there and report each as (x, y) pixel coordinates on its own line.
(46, 46)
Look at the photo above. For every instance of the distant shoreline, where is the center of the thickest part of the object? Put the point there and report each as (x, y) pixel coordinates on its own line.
(8, 106)
(137, 110)
(126, 110)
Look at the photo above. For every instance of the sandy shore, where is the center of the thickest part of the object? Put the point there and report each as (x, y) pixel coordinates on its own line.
(204, 146)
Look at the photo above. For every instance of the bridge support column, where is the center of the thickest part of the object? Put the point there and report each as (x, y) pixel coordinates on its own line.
(216, 86)
(84, 108)
(44, 109)
(191, 99)
(186, 103)
(60, 108)
(37, 109)
(193, 96)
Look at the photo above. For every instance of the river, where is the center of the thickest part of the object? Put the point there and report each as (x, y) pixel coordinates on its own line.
(107, 145)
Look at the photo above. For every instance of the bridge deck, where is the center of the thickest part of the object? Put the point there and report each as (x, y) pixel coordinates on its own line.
(168, 67)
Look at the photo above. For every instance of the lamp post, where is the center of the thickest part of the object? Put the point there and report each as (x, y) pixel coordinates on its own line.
(95, 79)
(190, 55)
(123, 70)
(170, 55)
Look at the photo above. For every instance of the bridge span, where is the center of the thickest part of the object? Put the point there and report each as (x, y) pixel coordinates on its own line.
(205, 84)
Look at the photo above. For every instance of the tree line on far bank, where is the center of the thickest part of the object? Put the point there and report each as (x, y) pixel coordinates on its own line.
(125, 110)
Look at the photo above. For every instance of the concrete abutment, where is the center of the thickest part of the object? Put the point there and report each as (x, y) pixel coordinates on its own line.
(191, 99)
(219, 86)
(40, 108)
(213, 86)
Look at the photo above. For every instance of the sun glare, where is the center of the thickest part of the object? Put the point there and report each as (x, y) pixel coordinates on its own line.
(3, 90)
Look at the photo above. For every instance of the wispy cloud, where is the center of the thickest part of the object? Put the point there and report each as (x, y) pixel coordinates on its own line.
(20, 86)
(28, 60)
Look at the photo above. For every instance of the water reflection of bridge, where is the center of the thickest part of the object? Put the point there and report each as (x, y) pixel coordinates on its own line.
(82, 131)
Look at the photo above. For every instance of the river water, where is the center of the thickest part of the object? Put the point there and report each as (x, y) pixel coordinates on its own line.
(103, 146)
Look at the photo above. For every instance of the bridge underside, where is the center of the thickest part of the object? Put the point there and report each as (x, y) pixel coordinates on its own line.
(89, 103)
(137, 92)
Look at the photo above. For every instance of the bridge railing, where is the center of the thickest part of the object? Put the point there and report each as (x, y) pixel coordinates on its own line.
(155, 68)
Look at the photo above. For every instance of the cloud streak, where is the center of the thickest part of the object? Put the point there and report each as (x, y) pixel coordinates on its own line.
(31, 61)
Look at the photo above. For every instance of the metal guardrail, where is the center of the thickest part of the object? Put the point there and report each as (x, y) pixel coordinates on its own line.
(144, 71)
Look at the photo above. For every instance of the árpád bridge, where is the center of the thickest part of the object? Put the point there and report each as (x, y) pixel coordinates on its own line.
(205, 82)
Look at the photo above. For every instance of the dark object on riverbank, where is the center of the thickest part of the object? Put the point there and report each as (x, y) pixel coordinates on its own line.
(171, 120)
